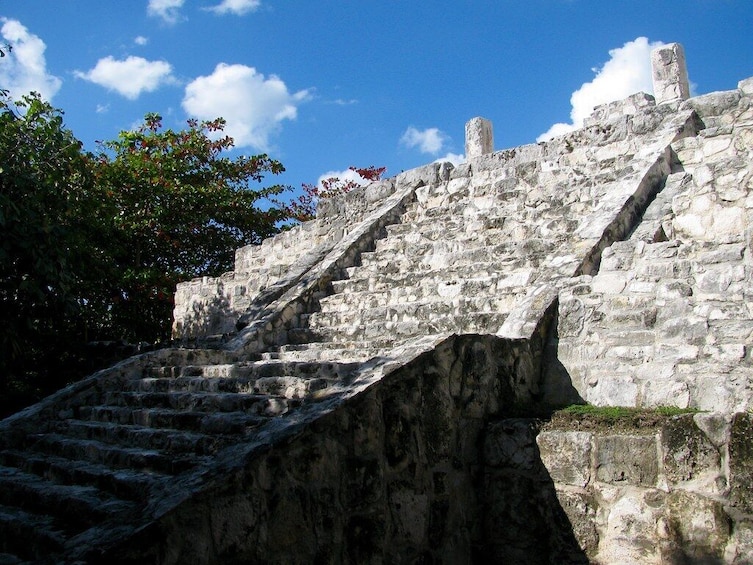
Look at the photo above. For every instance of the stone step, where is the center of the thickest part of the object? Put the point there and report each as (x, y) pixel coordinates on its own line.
(333, 353)
(191, 384)
(479, 277)
(368, 293)
(465, 223)
(228, 423)
(461, 261)
(188, 401)
(353, 346)
(74, 506)
(349, 351)
(222, 385)
(228, 370)
(392, 331)
(415, 311)
(113, 456)
(494, 258)
(245, 373)
(472, 233)
(133, 435)
(27, 537)
(486, 243)
(196, 394)
(121, 483)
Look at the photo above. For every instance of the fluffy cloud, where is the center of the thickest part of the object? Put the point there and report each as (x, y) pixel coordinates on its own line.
(168, 10)
(453, 158)
(129, 77)
(237, 7)
(626, 72)
(346, 175)
(253, 106)
(429, 140)
(24, 69)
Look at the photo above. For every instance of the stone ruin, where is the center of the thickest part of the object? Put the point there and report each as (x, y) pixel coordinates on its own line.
(375, 386)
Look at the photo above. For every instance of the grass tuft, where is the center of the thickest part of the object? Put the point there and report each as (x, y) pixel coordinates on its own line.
(588, 416)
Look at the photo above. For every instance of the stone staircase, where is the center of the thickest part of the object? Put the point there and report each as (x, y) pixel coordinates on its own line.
(448, 268)
(466, 252)
(86, 476)
(181, 455)
(666, 320)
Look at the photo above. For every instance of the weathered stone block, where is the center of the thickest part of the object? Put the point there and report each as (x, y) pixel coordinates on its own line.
(567, 456)
(699, 526)
(582, 512)
(688, 455)
(741, 462)
(629, 532)
(627, 460)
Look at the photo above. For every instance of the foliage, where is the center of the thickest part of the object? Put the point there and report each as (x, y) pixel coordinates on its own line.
(304, 208)
(177, 209)
(91, 246)
(46, 197)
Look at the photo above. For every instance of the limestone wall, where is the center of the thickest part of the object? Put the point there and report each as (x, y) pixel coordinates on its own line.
(671, 490)
(667, 320)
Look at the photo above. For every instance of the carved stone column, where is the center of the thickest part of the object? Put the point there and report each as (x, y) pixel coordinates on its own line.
(479, 139)
(670, 73)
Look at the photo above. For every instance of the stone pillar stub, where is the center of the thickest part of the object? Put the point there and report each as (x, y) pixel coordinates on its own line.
(479, 138)
(670, 73)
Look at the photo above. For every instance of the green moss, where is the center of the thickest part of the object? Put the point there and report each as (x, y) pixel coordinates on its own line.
(589, 417)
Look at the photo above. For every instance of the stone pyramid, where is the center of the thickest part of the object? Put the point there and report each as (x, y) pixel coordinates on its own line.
(363, 388)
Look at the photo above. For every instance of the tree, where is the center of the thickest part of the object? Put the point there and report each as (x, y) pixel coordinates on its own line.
(91, 246)
(178, 209)
(304, 208)
(46, 200)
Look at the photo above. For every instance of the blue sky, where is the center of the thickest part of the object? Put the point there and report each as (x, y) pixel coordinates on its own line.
(325, 84)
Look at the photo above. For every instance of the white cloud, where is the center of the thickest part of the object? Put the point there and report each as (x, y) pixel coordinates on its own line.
(129, 77)
(168, 10)
(140, 40)
(346, 175)
(626, 72)
(253, 106)
(237, 7)
(24, 69)
(429, 140)
(454, 158)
